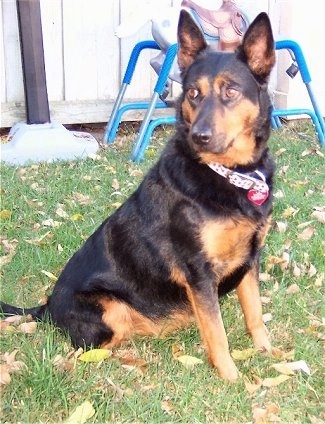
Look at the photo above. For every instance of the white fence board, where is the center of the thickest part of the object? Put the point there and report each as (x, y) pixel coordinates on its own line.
(85, 61)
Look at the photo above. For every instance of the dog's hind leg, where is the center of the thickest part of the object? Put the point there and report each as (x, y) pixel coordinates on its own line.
(249, 298)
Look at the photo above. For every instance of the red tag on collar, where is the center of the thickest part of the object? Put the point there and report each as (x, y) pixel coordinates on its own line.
(257, 197)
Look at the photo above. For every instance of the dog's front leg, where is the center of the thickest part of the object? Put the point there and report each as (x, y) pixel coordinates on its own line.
(249, 298)
(209, 320)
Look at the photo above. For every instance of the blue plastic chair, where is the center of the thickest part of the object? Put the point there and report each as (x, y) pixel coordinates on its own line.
(149, 124)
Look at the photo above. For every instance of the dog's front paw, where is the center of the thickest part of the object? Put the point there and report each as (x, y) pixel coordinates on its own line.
(261, 340)
(228, 371)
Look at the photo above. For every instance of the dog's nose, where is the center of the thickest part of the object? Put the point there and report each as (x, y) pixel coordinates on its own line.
(201, 137)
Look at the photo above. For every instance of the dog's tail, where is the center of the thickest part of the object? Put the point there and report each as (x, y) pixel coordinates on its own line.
(38, 312)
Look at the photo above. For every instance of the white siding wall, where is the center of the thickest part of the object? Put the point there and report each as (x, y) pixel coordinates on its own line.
(85, 61)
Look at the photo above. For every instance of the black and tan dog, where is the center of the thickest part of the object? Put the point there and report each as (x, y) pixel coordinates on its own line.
(194, 228)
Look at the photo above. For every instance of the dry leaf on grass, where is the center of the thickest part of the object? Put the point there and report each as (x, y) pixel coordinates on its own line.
(319, 214)
(68, 362)
(289, 368)
(51, 223)
(9, 366)
(81, 414)
(189, 361)
(115, 184)
(167, 406)
(269, 414)
(61, 212)
(277, 353)
(51, 276)
(27, 327)
(243, 355)
(275, 381)
(306, 234)
(292, 289)
(40, 241)
(252, 387)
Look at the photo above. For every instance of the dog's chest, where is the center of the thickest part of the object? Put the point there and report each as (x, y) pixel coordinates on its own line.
(228, 244)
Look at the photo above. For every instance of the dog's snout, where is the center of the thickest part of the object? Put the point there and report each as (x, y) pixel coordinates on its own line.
(202, 136)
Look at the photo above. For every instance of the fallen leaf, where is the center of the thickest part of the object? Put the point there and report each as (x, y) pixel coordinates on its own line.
(315, 420)
(319, 214)
(281, 226)
(27, 327)
(41, 240)
(95, 355)
(115, 184)
(243, 355)
(81, 414)
(14, 319)
(177, 350)
(5, 214)
(119, 392)
(312, 271)
(189, 361)
(116, 204)
(277, 353)
(10, 365)
(299, 366)
(51, 223)
(265, 300)
(136, 173)
(167, 406)
(82, 199)
(275, 381)
(280, 151)
(267, 317)
(294, 288)
(77, 217)
(283, 368)
(51, 276)
(265, 415)
(306, 234)
(289, 212)
(4, 375)
(61, 213)
(253, 387)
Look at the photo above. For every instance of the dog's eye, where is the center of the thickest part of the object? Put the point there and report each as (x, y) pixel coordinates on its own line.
(231, 93)
(193, 93)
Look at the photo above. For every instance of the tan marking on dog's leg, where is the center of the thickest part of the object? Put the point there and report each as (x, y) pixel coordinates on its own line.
(249, 298)
(214, 336)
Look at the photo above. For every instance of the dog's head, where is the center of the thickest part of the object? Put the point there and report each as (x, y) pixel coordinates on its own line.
(225, 106)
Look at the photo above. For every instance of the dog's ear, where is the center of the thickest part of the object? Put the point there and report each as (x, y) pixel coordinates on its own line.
(190, 40)
(258, 46)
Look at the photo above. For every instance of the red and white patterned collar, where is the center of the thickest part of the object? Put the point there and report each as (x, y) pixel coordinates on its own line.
(258, 190)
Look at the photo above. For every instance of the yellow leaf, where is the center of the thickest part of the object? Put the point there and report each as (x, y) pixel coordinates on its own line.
(50, 275)
(189, 361)
(81, 414)
(5, 214)
(275, 381)
(95, 355)
(242, 355)
(290, 211)
(77, 217)
(116, 205)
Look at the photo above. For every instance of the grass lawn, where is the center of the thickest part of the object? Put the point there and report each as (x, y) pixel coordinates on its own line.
(48, 210)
